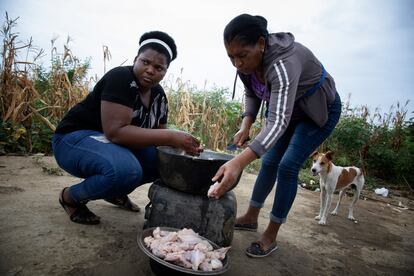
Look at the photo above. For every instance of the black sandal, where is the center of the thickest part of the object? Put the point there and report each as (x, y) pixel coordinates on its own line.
(255, 250)
(124, 203)
(81, 214)
(252, 227)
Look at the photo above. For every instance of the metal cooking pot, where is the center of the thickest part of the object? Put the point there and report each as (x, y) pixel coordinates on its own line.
(190, 174)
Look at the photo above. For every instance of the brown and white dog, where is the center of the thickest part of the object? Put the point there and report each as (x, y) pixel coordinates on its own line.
(334, 178)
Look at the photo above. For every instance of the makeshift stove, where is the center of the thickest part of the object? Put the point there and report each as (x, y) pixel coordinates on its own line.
(210, 218)
(179, 199)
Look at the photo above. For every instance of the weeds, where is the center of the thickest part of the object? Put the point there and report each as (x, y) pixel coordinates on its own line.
(33, 99)
(206, 114)
(382, 144)
(50, 170)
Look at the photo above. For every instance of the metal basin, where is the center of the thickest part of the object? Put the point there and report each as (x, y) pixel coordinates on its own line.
(190, 174)
(161, 267)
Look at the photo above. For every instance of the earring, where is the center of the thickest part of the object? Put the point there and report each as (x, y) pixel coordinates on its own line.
(262, 50)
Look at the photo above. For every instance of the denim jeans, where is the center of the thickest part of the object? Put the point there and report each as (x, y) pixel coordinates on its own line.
(108, 170)
(282, 163)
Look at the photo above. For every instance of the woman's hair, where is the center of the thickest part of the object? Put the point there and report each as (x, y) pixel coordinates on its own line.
(150, 41)
(246, 29)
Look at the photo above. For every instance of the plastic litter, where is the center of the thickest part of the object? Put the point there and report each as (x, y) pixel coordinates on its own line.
(382, 191)
(401, 206)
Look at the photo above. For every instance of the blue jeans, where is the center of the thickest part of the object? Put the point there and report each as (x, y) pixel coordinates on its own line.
(108, 170)
(282, 163)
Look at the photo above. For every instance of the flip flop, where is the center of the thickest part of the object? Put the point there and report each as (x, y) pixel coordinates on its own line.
(124, 203)
(255, 250)
(81, 214)
(252, 227)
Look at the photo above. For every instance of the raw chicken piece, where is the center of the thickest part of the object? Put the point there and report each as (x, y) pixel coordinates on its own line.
(204, 246)
(218, 253)
(179, 259)
(175, 247)
(169, 237)
(189, 236)
(185, 246)
(187, 255)
(164, 233)
(157, 248)
(206, 266)
(166, 247)
(197, 257)
(155, 243)
(216, 264)
(148, 240)
(156, 233)
(158, 252)
(223, 251)
(212, 189)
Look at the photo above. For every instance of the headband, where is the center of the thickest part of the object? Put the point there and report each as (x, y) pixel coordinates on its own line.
(154, 40)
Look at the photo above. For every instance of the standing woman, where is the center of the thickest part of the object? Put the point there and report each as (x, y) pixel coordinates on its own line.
(109, 138)
(302, 109)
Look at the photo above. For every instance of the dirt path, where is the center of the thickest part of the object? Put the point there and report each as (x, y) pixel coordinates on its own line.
(37, 238)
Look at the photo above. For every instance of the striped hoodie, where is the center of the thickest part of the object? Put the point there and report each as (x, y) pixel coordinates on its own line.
(291, 69)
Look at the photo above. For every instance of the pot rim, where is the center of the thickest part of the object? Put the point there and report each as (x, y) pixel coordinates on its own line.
(226, 156)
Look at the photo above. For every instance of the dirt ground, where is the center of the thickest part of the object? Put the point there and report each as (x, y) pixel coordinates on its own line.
(37, 238)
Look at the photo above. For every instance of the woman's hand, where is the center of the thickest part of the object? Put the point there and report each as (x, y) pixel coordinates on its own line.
(241, 137)
(187, 142)
(226, 176)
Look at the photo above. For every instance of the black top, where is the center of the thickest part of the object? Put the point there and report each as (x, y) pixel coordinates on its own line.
(119, 85)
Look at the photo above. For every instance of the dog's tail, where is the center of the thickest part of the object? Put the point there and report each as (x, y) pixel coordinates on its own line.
(362, 172)
(361, 177)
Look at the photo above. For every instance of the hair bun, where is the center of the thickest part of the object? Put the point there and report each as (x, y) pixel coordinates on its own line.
(261, 20)
(164, 37)
(246, 28)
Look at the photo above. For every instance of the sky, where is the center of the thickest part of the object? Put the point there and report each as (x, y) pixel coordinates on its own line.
(367, 46)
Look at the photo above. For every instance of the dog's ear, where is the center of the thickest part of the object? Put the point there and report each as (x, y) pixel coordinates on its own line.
(329, 155)
(314, 153)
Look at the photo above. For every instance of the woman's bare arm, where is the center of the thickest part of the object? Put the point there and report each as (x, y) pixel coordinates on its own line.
(116, 119)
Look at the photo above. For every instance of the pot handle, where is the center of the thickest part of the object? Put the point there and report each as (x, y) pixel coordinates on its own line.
(148, 209)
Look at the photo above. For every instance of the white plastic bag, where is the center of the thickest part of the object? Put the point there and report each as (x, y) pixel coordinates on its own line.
(382, 191)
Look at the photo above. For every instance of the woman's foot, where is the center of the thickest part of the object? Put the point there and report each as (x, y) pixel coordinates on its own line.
(267, 242)
(78, 213)
(125, 203)
(246, 223)
(259, 249)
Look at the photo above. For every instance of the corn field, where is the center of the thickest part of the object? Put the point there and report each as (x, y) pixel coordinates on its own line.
(205, 114)
(30, 98)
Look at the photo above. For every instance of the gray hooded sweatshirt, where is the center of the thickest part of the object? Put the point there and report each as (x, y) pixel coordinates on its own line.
(290, 69)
